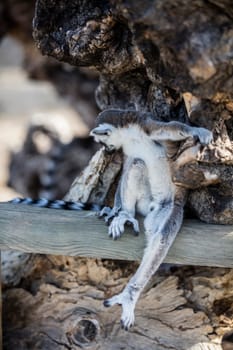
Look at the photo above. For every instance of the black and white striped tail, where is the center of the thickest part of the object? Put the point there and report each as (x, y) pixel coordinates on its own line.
(55, 204)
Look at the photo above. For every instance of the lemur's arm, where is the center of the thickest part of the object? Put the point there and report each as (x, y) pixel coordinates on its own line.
(157, 131)
(132, 186)
(109, 213)
(176, 131)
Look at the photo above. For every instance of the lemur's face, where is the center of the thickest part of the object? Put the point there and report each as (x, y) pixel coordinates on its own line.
(107, 135)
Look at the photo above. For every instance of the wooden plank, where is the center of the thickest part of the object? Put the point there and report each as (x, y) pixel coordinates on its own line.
(60, 232)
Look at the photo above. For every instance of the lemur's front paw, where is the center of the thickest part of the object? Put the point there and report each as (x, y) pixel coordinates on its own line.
(109, 213)
(127, 316)
(204, 135)
(117, 226)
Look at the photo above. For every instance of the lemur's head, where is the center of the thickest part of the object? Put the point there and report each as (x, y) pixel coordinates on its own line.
(112, 122)
(107, 135)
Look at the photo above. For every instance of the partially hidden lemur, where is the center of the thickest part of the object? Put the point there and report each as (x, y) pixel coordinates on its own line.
(146, 188)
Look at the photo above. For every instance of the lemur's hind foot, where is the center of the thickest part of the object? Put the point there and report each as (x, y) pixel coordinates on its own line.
(117, 226)
(128, 305)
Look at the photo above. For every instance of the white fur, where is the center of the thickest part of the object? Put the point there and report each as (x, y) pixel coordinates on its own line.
(137, 144)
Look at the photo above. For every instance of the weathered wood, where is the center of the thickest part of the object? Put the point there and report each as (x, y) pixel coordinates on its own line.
(168, 63)
(164, 318)
(39, 230)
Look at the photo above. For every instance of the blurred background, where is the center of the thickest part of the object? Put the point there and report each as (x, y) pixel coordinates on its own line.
(46, 111)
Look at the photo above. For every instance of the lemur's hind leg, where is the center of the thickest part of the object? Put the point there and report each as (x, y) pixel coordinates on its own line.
(133, 189)
(167, 221)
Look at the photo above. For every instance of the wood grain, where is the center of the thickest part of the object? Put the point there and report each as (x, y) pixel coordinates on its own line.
(60, 232)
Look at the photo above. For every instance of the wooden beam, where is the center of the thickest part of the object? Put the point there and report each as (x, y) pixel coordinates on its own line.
(60, 232)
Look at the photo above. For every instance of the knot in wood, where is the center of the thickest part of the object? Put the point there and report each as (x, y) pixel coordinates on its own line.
(85, 332)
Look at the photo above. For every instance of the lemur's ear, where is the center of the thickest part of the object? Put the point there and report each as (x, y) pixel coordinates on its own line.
(102, 129)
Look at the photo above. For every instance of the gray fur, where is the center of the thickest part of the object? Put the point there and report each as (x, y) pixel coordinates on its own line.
(146, 188)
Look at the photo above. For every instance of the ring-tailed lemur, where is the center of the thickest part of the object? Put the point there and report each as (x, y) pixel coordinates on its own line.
(146, 188)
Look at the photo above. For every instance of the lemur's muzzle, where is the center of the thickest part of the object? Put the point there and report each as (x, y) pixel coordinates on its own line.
(99, 130)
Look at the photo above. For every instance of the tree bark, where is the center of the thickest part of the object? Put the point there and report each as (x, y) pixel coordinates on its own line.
(170, 58)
